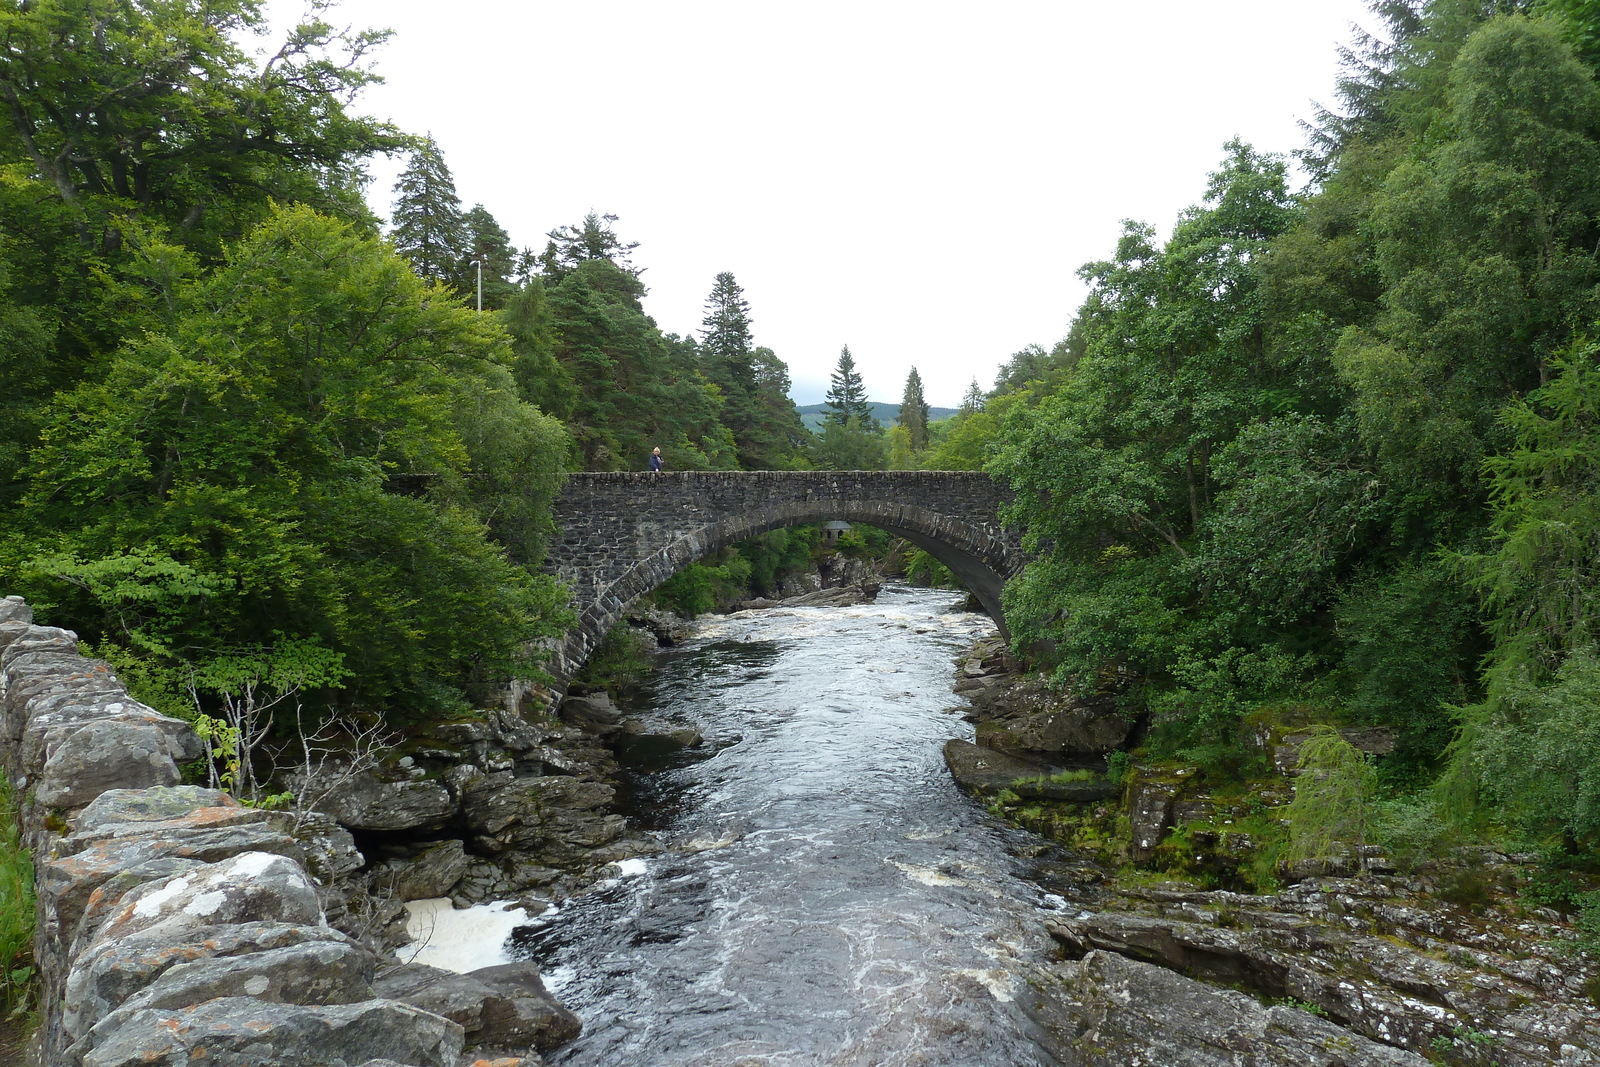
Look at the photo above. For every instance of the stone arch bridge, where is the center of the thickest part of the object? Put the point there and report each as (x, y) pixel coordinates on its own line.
(619, 535)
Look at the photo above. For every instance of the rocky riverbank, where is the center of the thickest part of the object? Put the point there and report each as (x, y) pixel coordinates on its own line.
(1446, 962)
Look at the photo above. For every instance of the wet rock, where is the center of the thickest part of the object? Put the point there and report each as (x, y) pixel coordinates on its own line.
(241, 1031)
(594, 714)
(837, 597)
(504, 1006)
(985, 771)
(1109, 1011)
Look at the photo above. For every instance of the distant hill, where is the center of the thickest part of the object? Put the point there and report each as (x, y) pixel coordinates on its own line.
(811, 414)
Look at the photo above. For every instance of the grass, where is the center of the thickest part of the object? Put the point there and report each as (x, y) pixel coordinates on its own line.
(16, 916)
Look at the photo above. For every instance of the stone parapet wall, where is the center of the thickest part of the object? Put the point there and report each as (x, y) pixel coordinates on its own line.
(174, 924)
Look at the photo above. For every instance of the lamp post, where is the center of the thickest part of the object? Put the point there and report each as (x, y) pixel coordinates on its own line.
(479, 264)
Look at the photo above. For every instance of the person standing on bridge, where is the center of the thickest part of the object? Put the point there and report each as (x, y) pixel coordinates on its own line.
(655, 460)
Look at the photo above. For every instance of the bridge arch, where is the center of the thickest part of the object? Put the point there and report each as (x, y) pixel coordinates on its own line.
(620, 535)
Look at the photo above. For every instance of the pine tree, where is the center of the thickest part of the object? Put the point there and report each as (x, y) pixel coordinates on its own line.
(914, 412)
(725, 342)
(593, 238)
(427, 227)
(489, 244)
(974, 399)
(847, 395)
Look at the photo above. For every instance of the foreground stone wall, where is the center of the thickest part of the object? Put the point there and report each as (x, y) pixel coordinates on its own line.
(175, 926)
(621, 534)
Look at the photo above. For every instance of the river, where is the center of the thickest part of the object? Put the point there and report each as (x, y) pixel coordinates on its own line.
(827, 896)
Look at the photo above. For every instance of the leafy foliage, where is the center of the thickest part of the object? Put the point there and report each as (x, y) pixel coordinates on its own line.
(287, 456)
(1332, 810)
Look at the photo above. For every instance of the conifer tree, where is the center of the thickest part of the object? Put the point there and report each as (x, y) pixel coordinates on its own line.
(593, 238)
(428, 227)
(725, 343)
(974, 399)
(847, 395)
(487, 243)
(914, 412)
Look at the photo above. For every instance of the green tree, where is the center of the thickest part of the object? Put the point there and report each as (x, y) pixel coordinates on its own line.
(1484, 242)
(593, 238)
(488, 244)
(847, 395)
(294, 455)
(851, 446)
(973, 399)
(154, 109)
(914, 412)
(428, 227)
(1331, 815)
(781, 437)
(635, 388)
(1116, 473)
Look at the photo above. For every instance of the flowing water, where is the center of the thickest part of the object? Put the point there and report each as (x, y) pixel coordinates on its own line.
(827, 895)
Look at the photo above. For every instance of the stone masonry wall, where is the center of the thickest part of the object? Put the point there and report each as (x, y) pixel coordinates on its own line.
(619, 535)
(175, 926)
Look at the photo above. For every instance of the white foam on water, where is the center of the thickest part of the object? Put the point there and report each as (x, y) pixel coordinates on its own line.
(630, 868)
(459, 940)
(1001, 986)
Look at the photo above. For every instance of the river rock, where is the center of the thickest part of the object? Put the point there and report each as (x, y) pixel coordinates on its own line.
(431, 873)
(1109, 1011)
(1064, 727)
(361, 800)
(1377, 955)
(505, 1006)
(245, 1032)
(594, 713)
(985, 771)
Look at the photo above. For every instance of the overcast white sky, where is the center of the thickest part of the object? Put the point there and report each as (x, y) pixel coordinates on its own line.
(919, 181)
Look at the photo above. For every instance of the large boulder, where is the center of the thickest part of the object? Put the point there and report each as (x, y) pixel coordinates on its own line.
(246, 1032)
(431, 873)
(250, 887)
(362, 800)
(594, 713)
(120, 851)
(1063, 729)
(505, 1006)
